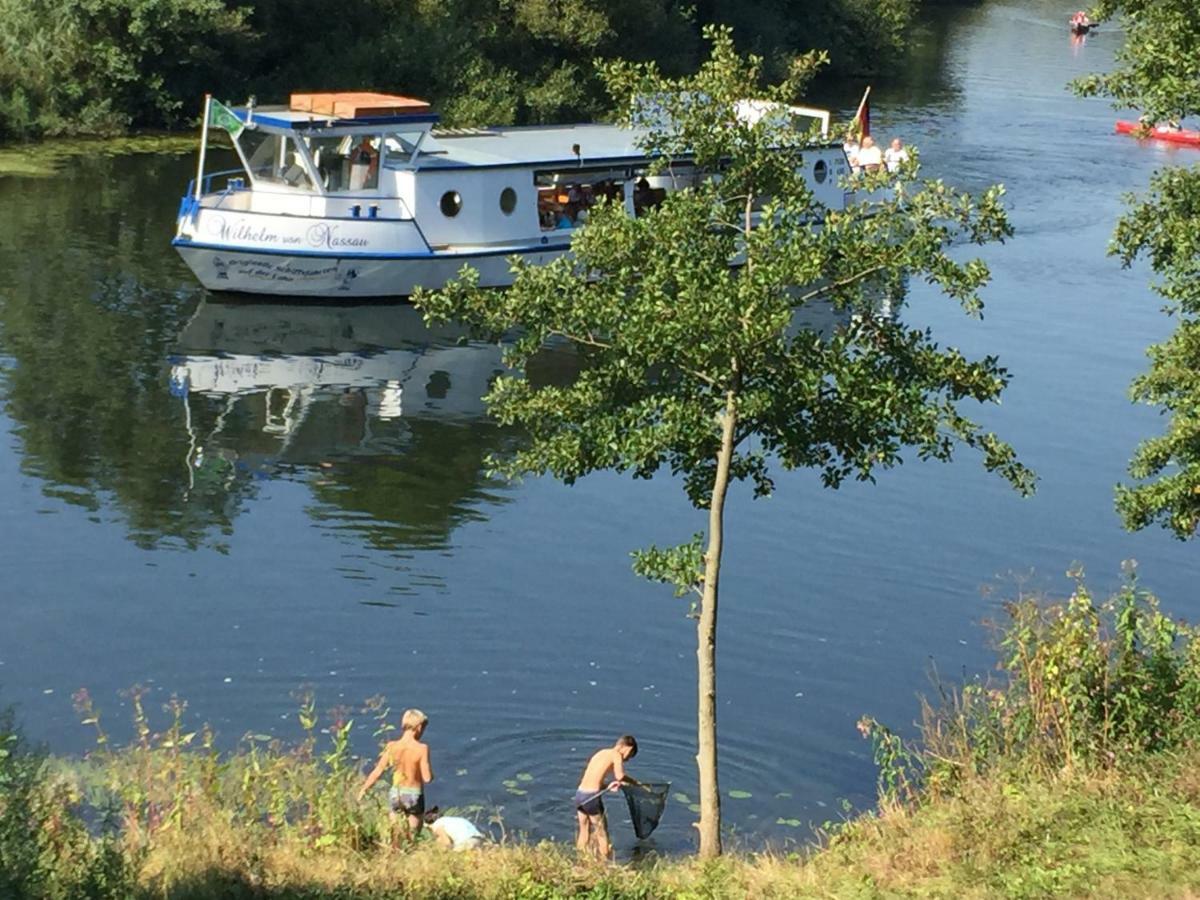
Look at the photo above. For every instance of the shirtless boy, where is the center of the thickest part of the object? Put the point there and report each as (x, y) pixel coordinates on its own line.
(589, 803)
(409, 761)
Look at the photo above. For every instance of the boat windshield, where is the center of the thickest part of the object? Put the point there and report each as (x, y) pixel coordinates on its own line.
(346, 162)
(274, 158)
(340, 162)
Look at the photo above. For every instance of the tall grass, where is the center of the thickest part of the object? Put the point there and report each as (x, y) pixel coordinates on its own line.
(1083, 684)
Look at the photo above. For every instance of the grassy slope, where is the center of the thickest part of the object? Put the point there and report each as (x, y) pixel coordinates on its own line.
(1133, 835)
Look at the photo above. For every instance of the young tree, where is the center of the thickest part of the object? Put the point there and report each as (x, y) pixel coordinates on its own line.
(1156, 73)
(695, 366)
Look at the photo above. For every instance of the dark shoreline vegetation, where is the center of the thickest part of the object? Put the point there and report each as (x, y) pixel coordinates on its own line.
(104, 67)
(1074, 774)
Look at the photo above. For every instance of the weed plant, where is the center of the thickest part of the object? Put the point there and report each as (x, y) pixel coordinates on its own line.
(1084, 684)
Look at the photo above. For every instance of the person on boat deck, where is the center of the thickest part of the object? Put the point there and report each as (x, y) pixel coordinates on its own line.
(564, 219)
(895, 155)
(643, 196)
(870, 158)
(850, 145)
(364, 162)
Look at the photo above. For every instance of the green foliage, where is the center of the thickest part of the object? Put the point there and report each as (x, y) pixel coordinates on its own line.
(670, 332)
(694, 366)
(1157, 62)
(1156, 74)
(1165, 227)
(103, 66)
(46, 851)
(863, 37)
(681, 567)
(1088, 685)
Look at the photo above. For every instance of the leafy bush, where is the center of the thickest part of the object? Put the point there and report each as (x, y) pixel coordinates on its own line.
(46, 852)
(1086, 684)
(103, 66)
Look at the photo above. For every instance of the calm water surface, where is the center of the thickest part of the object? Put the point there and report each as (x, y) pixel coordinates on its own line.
(229, 501)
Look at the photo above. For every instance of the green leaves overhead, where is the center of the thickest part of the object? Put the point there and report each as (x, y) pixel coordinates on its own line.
(669, 330)
(694, 360)
(1157, 74)
(1165, 227)
(1158, 62)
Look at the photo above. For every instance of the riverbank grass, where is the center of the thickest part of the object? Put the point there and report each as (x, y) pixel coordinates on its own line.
(1116, 834)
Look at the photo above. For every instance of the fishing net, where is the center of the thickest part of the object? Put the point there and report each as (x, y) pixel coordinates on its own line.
(646, 805)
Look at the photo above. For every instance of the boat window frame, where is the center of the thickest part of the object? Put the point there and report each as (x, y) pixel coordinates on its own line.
(281, 140)
(509, 191)
(458, 201)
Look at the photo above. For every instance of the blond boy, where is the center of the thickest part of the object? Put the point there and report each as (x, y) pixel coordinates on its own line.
(408, 759)
(589, 803)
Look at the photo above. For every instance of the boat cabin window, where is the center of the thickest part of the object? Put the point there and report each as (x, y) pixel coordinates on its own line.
(346, 162)
(646, 196)
(274, 158)
(451, 204)
(566, 197)
(508, 201)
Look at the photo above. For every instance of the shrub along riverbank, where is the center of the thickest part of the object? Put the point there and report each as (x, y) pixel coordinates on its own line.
(104, 66)
(1075, 775)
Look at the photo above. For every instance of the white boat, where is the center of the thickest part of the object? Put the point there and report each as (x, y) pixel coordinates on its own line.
(359, 195)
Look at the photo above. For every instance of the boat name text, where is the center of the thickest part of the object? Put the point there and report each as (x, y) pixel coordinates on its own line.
(243, 231)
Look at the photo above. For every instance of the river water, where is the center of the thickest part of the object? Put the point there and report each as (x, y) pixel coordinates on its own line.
(232, 501)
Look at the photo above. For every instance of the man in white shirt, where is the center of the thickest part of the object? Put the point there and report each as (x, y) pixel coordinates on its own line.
(869, 156)
(895, 155)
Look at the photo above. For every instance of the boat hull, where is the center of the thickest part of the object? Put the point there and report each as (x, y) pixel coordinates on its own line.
(350, 276)
(1181, 136)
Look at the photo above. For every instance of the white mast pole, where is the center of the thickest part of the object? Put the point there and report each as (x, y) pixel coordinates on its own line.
(203, 147)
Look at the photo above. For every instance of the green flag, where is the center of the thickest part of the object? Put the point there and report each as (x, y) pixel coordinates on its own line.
(222, 116)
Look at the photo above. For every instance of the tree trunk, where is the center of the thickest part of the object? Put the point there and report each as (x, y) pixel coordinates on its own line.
(706, 646)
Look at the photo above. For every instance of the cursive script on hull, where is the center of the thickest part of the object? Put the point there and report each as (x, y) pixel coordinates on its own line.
(243, 231)
(325, 235)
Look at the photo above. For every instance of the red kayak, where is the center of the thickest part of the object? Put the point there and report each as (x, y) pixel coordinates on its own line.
(1162, 133)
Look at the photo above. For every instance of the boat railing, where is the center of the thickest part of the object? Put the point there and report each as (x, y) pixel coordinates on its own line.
(367, 206)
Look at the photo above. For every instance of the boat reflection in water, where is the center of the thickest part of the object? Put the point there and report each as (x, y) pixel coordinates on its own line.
(384, 356)
(379, 415)
(382, 416)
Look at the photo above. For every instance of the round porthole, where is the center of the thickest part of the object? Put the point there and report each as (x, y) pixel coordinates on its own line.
(508, 201)
(451, 204)
(821, 171)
